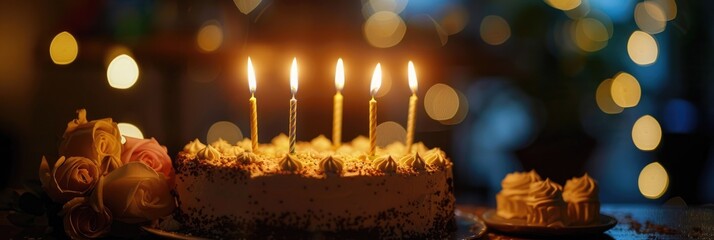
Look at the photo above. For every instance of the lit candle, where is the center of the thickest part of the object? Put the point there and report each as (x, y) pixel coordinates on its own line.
(337, 105)
(411, 119)
(253, 107)
(293, 104)
(374, 87)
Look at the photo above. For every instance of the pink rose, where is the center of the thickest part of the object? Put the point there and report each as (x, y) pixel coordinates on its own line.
(84, 221)
(135, 193)
(70, 177)
(149, 152)
(98, 140)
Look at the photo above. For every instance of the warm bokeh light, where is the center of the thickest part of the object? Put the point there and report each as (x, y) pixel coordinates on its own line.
(462, 111)
(395, 6)
(625, 90)
(603, 98)
(294, 77)
(563, 4)
(390, 132)
(63, 48)
(115, 51)
(642, 48)
(251, 77)
(653, 181)
(495, 30)
(339, 75)
(646, 133)
(225, 130)
(122, 72)
(413, 84)
(590, 34)
(384, 29)
(650, 17)
(210, 37)
(376, 80)
(246, 6)
(441, 102)
(454, 20)
(129, 130)
(668, 6)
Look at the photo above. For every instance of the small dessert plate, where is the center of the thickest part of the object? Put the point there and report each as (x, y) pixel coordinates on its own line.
(519, 226)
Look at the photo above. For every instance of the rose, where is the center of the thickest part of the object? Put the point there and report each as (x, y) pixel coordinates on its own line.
(70, 177)
(84, 221)
(135, 193)
(98, 140)
(149, 152)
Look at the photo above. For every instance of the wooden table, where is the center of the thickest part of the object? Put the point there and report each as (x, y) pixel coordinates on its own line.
(641, 222)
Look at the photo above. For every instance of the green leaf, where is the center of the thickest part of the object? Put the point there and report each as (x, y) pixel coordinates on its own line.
(34, 186)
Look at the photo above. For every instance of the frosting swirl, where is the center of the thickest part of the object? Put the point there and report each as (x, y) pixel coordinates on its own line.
(194, 146)
(435, 158)
(518, 183)
(543, 192)
(580, 189)
(414, 160)
(223, 146)
(385, 163)
(247, 157)
(321, 143)
(289, 164)
(209, 153)
(331, 165)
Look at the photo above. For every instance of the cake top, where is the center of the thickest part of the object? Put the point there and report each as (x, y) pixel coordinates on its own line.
(580, 189)
(317, 158)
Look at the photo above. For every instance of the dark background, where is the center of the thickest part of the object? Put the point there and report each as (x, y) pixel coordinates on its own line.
(527, 103)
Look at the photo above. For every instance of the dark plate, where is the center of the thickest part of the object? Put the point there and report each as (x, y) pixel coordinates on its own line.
(468, 226)
(519, 226)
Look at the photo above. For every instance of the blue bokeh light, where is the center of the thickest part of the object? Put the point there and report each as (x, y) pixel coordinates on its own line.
(680, 116)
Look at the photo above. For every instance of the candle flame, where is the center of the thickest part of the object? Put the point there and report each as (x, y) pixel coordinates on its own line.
(339, 75)
(251, 77)
(376, 80)
(413, 84)
(294, 77)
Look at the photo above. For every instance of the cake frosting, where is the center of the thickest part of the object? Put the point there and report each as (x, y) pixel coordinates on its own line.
(318, 189)
(581, 196)
(545, 205)
(511, 201)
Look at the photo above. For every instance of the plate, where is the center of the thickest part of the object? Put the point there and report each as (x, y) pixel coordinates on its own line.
(468, 226)
(519, 226)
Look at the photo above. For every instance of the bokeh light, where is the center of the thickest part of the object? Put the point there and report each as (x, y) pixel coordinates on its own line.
(625, 90)
(441, 102)
(225, 130)
(454, 20)
(384, 29)
(115, 51)
(603, 98)
(246, 6)
(668, 6)
(395, 6)
(462, 111)
(495, 30)
(646, 133)
(63, 48)
(210, 36)
(122, 72)
(653, 181)
(563, 4)
(390, 132)
(642, 48)
(129, 130)
(590, 34)
(650, 17)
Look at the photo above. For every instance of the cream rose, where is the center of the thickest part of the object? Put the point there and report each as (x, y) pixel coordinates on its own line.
(149, 152)
(135, 193)
(83, 221)
(70, 177)
(98, 140)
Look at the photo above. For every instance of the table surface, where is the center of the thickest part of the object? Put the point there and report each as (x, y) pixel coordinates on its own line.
(641, 222)
(634, 222)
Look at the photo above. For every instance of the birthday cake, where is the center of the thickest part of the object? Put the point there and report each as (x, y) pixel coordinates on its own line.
(227, 190)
